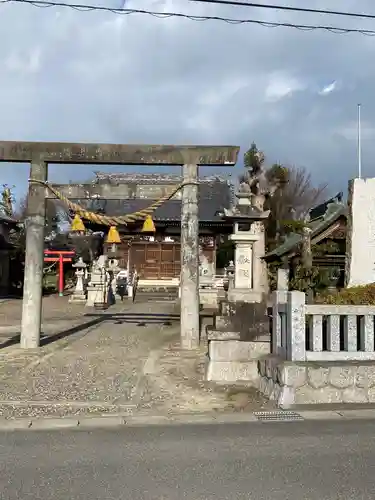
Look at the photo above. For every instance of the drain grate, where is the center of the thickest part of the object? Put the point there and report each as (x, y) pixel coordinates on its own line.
(277, 416)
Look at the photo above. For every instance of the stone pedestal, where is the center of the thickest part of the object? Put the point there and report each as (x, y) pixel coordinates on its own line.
(94, 294)
(98, 288)
(245, 295)
(231, 360)
(208, 297)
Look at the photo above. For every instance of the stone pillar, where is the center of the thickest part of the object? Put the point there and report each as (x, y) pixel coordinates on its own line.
(259, 249)
(34, 258)
(296, 327)
(282, 279)
(214, 257)
(190, 260)
(360, 239)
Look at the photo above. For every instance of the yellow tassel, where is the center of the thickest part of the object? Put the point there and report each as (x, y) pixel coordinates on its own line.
(113, 236)
(148, 225)
(77, 224)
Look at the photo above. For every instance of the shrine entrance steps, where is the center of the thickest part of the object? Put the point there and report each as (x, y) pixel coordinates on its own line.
(156, 294)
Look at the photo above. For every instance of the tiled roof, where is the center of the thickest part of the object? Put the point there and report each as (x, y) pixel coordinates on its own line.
(335, 211)
(321, 209)
(213, 198)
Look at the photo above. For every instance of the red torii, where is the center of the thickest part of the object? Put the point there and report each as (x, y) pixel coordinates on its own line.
(59, 256)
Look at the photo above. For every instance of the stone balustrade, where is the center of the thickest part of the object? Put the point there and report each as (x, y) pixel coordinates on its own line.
(319, 332)
(321, 354)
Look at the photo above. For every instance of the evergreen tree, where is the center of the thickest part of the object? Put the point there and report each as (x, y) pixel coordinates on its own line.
(289, 193)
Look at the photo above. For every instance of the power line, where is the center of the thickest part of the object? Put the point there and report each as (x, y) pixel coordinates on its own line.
(162, 15)
(288, 8)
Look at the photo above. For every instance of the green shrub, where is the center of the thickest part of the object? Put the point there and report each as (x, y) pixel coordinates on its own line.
(356, 296)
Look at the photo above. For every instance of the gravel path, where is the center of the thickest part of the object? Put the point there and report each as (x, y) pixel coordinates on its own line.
(128, 362)
(54, 309)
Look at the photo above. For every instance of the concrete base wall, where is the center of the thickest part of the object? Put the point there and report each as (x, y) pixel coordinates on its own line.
(233, 361)
(291, 384)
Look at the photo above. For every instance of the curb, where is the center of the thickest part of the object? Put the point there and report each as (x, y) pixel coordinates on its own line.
(113, 421)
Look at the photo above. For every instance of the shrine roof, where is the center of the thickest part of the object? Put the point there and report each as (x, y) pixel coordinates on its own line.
(333, 212)
(321, 209)
(213, 197)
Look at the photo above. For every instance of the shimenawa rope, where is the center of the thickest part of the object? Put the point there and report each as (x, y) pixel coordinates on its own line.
(114, 220)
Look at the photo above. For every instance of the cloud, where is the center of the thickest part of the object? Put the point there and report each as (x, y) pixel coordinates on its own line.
(327, 89)
(349, 131)
(24, 63)
(282, 85)
(99, 77)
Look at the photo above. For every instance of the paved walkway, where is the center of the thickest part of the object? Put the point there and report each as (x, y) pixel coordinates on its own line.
(125, 360)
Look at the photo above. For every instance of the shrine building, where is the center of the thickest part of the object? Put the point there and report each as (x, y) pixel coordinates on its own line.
(156, 255)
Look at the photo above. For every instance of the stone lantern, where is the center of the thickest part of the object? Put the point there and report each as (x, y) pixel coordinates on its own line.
(79, 294)
(250, 272)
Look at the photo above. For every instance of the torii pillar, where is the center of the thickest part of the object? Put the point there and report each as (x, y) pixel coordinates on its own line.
(190, 259)
(39, 154)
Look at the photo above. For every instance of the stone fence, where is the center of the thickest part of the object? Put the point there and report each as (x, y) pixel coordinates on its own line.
(320, 353)
(319, 332)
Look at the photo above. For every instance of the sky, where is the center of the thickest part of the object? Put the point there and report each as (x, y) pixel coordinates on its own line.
(99, 77)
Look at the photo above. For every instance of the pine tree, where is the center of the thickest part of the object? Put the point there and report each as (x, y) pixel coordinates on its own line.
(7, 200)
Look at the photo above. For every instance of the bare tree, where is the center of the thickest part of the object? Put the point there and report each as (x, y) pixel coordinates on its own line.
(297, 194)
(292, 203)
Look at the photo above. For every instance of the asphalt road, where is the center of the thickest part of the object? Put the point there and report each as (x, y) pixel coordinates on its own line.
(288, 461)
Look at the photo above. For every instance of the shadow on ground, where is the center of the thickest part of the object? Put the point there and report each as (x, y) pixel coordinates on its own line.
(139, 319)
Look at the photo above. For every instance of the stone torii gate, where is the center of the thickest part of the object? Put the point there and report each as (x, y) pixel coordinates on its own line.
(39, 154)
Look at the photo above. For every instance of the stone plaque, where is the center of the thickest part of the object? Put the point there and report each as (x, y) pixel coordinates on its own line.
(243, 274)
